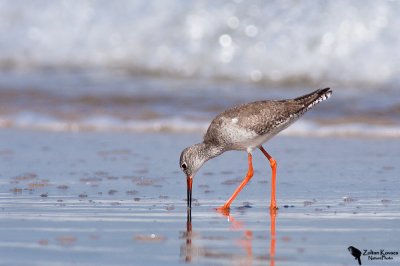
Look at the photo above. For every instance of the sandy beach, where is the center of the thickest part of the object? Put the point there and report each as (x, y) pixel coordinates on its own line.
(94, 198)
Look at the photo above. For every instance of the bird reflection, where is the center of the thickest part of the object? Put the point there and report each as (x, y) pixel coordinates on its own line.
(272, 214)
(189, 251)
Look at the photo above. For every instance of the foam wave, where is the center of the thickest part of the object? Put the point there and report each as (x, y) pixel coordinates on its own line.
(310, 128)
(178, 125)
(218, 39)
(100, 123)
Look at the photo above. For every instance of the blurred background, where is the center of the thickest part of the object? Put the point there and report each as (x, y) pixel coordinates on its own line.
(172, 65)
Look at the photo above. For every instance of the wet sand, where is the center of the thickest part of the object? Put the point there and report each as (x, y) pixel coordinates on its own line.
(119, 199)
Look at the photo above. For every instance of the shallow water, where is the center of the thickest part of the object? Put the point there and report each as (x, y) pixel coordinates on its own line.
(146, 233)
(116, 198)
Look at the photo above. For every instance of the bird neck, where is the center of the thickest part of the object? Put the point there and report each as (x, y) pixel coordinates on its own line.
(209, 151)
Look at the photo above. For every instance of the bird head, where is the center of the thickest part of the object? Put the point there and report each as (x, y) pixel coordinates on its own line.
(192, 158)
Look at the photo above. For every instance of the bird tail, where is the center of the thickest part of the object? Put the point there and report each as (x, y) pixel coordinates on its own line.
(311, 99)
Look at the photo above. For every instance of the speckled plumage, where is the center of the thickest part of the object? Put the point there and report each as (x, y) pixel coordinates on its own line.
(247, 126)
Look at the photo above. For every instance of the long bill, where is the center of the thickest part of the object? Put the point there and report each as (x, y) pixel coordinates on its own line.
(189, 191)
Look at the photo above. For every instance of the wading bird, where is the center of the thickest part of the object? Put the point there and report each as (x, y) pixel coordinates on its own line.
(246, 127)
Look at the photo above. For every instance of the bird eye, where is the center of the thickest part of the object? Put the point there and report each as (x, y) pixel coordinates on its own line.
(184, 166)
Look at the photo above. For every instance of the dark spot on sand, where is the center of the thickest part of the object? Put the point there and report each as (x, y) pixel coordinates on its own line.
(91, 179)
(132, 192)
(385, 201)
(309, 202)
(145, 182)
(131, 177)
(16, 190)
(349, 199)
(218, 255)
(62, 187)
(6, 152)
(226, 172)
(37, 185)
(83, 195)
(142, 171)
(30, 190)
(232, 181)
(44, 195)
(388, 167)
(170, 207)
(152, 238)
(136, 199)
(195, 202)
(43, 242)
(101, 173)
(246, 204)
(112, 192)
(300, 250)
(214, 238)
(66, 240)
(23, 177)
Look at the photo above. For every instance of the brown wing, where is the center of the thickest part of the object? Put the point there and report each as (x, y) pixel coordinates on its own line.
(258, 117)
(264, 116)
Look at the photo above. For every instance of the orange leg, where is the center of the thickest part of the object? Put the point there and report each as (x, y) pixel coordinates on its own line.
(272, 213)
(272, 162)
(241, 186)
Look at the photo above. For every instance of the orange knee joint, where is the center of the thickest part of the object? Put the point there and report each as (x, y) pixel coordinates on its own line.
(272, 162)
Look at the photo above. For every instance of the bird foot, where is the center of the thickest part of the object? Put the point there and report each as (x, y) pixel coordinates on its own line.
(225, 210)
(273, 211)
(273, 207)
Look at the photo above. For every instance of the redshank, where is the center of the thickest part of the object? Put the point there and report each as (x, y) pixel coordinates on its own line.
(246, 127)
